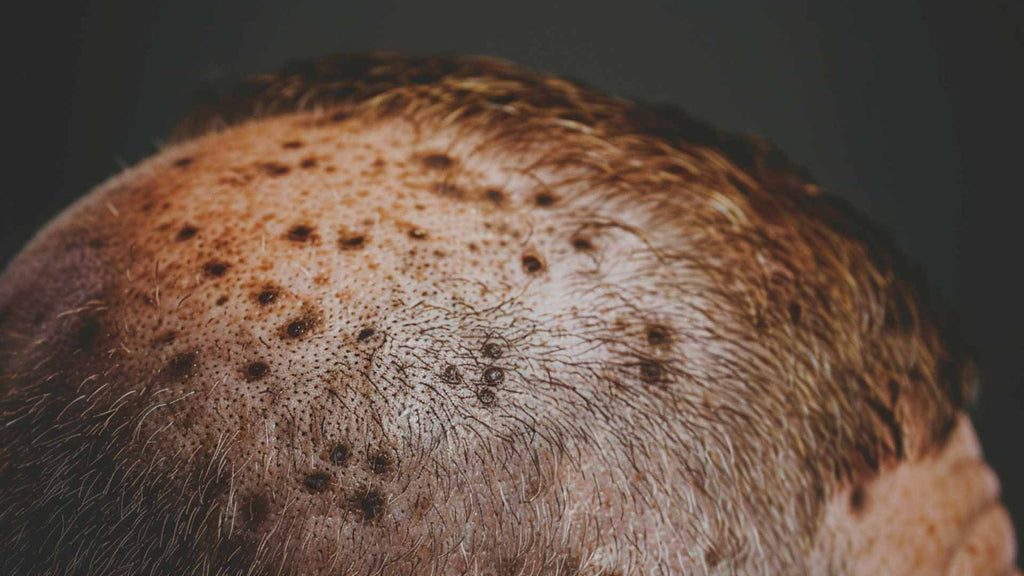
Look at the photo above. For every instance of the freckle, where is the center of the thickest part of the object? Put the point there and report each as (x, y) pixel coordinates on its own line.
(532, 264)
(417, 234)
(858, 500)
(186, 232)
(437, 162)
(582, 244)
(656, 336)
(711, 558)
(544, 199)
(365, 334)
(340, 454)
(182, 162)
(492, 350)
(221, 301)
(300, 233)
(493, 376)
(182, 366)
(256, 370)
(274, 168)
(317, 482)
(267, 296)
(495, 196)
(450, 374)
(795, 312)
(380, 462)
(292, 144)
(369, 504)
(651, 371)
(308, 162)
(352, 242)
(486, 396)
(216, 268)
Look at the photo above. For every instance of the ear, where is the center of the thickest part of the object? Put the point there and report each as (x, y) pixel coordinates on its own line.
(938, 515)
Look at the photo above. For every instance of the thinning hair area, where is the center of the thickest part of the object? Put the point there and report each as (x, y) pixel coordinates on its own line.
(382, 314)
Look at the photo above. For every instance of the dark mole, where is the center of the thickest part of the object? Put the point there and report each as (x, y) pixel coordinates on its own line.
(87, 335)
(274, 168)
(221, 301)
(532, 264)
(544, 199)
(308, 162)
(417, 234)
(492, 350)
(182, 162)
(380, 462)
(582, 244)
(370, 504)
(451, 375)
(858, 499)
(299, 327)
(365, 334)
(317, 482)
(496, 196)
(795, 312)
(493, 376)
(256, 370)
(187, 232)
(300, 233)
(182, 366)
(292, 144)
(340, 454)
(650, 371)
(352, 242)
(486, 396)
(656, 336)
(216, 268)
(437, 161)
(267, 296)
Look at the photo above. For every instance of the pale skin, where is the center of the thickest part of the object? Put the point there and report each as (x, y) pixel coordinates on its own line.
(412, 316)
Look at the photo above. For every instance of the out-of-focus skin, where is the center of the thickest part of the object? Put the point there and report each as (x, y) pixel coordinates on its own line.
(378, 314)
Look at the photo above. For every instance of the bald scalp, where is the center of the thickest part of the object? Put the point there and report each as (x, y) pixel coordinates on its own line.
(384, 314)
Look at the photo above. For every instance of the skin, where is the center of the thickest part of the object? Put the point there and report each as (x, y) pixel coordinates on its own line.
(378, 314)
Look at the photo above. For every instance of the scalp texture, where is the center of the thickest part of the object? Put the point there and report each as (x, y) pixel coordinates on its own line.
(396, 315)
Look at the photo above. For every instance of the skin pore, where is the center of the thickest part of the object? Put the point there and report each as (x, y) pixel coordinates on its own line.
(379, 314)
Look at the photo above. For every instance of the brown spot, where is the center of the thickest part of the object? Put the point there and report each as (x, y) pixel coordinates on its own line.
(495, 196)
(492, 350)
(274, 168)
(437, 161)
(221, 301)
(493, 376)
(582, 244)
(216, 268)
(858, 500)
(256, 370)
(657, 335)
(340, 454)
(369, 504)
(165, 338)
(532, 264)
(651, 371)
(257, 509)
(182, 366)
(711, 558)
(182, 162)
(186, 232)
(292, 144)
(544, 199)
(308, 162)
(317, 482)
(267, 295)
(380, 462)
(450, 375)
(417, 234)
(365, 334)
(300, 233)
(300, 327)
(351, 241)
(486, 396)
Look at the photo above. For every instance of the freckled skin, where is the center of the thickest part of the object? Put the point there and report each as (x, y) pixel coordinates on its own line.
(448, 316)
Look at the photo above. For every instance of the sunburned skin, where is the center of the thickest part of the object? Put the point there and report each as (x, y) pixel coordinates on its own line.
(378, 314)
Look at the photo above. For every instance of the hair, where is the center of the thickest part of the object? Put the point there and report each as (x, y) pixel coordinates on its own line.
(761, 346)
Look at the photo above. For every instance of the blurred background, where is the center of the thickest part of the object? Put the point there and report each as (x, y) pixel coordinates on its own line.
(911, 110)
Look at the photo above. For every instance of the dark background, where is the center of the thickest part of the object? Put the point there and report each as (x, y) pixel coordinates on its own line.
(911, 110)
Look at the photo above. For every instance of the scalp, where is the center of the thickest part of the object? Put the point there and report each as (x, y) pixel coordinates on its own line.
(380, 313)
